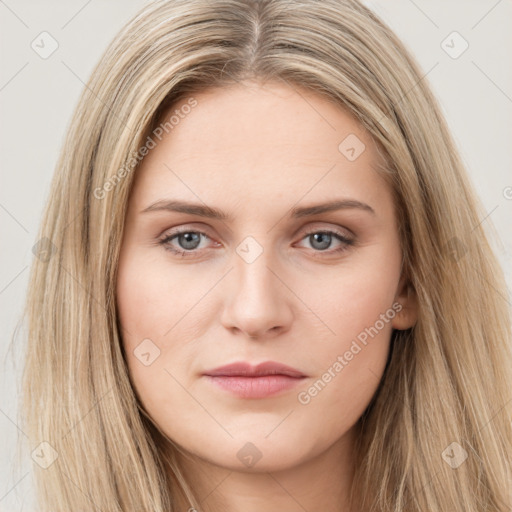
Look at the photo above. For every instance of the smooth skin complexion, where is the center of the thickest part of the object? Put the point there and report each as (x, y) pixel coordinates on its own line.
(256, 152)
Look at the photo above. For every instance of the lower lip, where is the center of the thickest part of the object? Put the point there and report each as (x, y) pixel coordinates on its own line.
(255, 387)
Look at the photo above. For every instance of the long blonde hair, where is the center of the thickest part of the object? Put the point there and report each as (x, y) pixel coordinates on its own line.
(445, 394)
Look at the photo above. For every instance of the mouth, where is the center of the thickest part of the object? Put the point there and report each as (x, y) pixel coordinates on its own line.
(247, 381)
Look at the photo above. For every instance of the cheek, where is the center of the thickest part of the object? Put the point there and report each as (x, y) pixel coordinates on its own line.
(357, 306)
(348, 366)
(160, 319)
(144, 320)
(351, 298)
(333, 402)
(152, 295)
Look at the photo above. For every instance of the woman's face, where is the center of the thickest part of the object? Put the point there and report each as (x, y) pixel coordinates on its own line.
(263, 273)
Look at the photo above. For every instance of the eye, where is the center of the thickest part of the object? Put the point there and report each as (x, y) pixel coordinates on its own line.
(321, 240)
(188, 241)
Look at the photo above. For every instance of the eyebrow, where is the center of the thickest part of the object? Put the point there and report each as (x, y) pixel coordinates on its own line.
(203, 210)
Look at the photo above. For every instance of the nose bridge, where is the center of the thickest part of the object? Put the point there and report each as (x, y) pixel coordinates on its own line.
(253, 277)
(259, 302)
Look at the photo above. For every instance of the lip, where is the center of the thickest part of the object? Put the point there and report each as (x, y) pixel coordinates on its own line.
(243, 369)
(248, 381)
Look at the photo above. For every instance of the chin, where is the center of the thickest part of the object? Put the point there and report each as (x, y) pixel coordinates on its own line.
(256, 454)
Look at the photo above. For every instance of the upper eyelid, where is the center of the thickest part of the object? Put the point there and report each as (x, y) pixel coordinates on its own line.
(315, 227)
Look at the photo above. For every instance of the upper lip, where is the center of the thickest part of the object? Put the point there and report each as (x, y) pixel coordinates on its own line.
(248, 370)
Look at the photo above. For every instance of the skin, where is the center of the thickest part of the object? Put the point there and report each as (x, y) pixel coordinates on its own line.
(256, 151)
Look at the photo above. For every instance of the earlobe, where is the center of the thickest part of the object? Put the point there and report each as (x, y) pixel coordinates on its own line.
(408, 314)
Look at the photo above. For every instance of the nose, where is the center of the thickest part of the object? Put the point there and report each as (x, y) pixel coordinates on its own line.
(258, 304)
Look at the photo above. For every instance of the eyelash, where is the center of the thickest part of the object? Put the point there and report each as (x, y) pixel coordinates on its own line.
(165, 241)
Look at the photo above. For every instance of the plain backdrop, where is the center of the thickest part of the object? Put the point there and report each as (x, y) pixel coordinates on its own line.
(38, 95)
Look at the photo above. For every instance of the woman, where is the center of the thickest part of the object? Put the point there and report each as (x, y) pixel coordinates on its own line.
(268, 286)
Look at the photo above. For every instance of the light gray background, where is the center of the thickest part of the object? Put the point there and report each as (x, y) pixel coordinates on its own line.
(37, 97)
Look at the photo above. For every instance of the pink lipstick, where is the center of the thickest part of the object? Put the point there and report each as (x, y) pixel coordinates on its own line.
(261, 381)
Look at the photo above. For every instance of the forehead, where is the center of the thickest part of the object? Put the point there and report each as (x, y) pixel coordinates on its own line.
(270, 142)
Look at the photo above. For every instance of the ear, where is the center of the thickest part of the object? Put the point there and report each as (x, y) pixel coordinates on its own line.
(406, 297)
